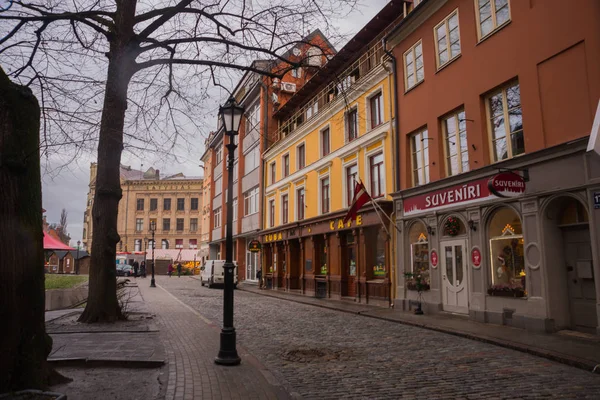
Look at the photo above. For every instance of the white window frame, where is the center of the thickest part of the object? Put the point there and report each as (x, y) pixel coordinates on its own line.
(281, 208)
(272, 212)
(320, 200)
(217, 218)
(354, 107)
(219, 153)
(235, 209)
(424, 142)
(283, 175)
(254, 155)
(378, 91)
(345, 167)
(446, 22)
(252, 118)
(272, 178)
(508, 135)
(236, 170)
(250, 194)
(368, 155)
(139, 224)
(137, 245)
(219, 185)
(296, 204)
(303, 143)
(326, 127)
(413, 52)
(493, 11)
(297, 73)
(446, 141)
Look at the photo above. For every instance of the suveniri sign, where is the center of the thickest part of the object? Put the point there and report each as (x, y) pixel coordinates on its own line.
(506, 184)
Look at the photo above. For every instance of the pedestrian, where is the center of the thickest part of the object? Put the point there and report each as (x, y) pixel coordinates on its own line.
(143, 269)
(136, 267)
(170, 270)
(179, 270)
(259, 277)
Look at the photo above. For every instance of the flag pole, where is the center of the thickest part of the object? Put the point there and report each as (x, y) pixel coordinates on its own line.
(387, 216)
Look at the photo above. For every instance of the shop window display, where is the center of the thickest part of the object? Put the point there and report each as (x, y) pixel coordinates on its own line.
(379, 267)
(419, 246)
(505, 234)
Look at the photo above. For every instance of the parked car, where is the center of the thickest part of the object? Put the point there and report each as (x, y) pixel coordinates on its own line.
(212, 273)
(124, 270)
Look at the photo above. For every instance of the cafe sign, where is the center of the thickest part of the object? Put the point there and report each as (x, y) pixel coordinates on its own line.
(503, 185)
(337, 224)
(273, 237)
(254, 246)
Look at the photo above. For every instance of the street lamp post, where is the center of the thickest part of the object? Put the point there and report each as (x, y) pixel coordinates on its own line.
(152, 230)
(77, 259)
(145, 254)
(231, 116)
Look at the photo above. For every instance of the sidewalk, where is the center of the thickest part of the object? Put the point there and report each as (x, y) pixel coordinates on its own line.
(581, 352)
(191, 343)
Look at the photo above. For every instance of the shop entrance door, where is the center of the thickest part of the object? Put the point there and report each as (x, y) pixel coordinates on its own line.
(455, 291)
(580, 278)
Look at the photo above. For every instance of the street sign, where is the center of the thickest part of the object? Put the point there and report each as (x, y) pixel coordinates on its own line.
(596, 200)
(254, 246)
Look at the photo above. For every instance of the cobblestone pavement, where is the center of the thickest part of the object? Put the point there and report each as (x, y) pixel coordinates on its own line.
(191, 344)
(324, 354)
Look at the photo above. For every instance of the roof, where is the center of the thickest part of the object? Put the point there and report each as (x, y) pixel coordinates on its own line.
(350, 52)
(151, 174)
(174, 254)
(51, 243)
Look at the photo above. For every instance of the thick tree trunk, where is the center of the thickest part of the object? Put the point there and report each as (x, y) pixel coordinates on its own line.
(25, 345)
(102, 304)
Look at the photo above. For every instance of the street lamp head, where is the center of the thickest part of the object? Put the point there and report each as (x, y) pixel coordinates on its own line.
(231, 116)
(152, 226)
(78, 243)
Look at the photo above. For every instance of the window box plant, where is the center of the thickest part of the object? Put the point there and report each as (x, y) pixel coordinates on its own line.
(506, 291)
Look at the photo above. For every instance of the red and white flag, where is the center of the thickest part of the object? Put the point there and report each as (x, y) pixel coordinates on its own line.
(361, 197)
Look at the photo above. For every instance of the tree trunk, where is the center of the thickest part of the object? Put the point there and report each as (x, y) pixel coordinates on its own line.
(102, 304)
(25, 345)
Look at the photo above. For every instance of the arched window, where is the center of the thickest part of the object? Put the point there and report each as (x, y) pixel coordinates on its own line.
(505, 234)
(453, 226)
(419, 247)
(380, 254)
(165, 244)
(573, 212)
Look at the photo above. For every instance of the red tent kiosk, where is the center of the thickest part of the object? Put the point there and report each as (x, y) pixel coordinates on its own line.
(51, 245)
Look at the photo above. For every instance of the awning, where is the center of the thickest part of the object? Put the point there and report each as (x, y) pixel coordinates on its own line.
(51, 243)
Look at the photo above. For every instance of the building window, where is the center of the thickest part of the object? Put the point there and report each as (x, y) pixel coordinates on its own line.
(351, 177)
(325, 195)
(252, 160)
(300, 204)
(165, 244)
(139, 224)
(218, 185)
(217, 221)
(297, 73)
(153, 204)
(193, 243)
(235, 209)
(285, 165)
(314, 55)
(219, 154)
(447, 39)
(413, 66)
(273, 172)
(377, 175)
(455, 137)
(179, 224)
(301, 156)
(376, 110)
(505, 235)
(235, 171)
(140, 205)
(151, 244)
(352, 124)
(284, 209)
(380, 263)
(193, 224)
(271, 213)
(251, 202)
(253, 119)
(491, 15)
(194, 203)
(420, 157)
(180, 204)
(153, 224)
(506, 122)
(137, 245)
(167, 205)
(166, 224)
(419, 251)
(179, 243)
(325, 145)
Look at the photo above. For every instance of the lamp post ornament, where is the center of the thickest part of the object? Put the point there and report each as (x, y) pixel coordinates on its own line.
(231, 116)
(152, 230)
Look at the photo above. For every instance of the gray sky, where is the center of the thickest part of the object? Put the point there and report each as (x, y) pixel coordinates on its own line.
(67, 188)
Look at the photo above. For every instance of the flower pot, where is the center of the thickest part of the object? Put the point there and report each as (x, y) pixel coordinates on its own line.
(506, 293)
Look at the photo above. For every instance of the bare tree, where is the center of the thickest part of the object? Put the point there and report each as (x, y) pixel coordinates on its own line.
(159, 58)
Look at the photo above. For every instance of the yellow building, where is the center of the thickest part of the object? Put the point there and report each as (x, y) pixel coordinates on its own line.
(171, 203)
(329, 137)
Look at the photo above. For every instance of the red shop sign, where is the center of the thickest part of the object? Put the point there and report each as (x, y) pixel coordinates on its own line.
(476, 257)
(506, 184)
(434, 258)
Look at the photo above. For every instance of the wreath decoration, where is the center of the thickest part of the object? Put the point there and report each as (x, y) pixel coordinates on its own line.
(452, 226)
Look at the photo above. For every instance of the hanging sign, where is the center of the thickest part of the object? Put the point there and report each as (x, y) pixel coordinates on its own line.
(254, 246)
(507, 184)
(434, 258)
(596, 200)
(476, 257)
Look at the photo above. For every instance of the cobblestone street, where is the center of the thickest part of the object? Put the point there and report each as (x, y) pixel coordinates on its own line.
(319, 353)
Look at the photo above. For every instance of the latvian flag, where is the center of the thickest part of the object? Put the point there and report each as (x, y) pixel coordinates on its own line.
(361, 197)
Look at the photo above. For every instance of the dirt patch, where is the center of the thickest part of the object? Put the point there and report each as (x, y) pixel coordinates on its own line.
(136, 322)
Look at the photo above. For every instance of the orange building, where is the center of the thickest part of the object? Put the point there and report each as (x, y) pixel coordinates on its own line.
(499, 200)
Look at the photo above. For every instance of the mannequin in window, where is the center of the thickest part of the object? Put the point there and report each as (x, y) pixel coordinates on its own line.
(502, 272)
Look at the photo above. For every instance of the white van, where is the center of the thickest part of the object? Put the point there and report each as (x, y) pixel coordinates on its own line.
(213, 273)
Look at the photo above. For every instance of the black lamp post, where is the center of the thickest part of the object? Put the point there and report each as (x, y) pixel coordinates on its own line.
(77, 259)
(231, 116)
(152, 230)
(145, 253)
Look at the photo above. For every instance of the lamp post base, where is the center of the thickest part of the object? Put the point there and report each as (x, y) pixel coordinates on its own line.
(227, 352)
(152, 283)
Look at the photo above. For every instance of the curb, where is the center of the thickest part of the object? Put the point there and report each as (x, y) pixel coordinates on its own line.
(96, 363)
(550, 355)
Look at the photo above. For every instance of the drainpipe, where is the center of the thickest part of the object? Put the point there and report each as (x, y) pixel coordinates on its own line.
(396, 135)
(264, 142)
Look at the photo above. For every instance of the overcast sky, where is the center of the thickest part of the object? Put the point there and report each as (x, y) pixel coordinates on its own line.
(67, 188)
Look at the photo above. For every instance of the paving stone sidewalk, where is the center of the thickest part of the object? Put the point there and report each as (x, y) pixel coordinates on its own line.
(581, 351)
(192, 342)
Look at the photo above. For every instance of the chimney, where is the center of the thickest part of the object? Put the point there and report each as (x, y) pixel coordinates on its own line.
(157, 174)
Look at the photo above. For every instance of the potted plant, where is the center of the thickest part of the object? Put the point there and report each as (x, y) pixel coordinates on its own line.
(418, 282)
